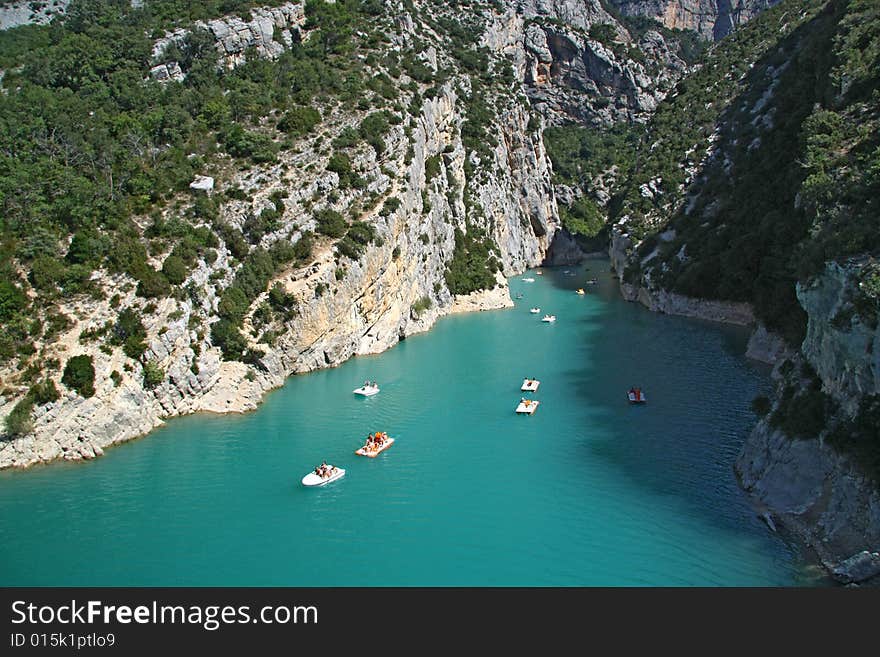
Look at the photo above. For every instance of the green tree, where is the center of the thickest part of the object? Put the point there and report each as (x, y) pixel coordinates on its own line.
(79, 375)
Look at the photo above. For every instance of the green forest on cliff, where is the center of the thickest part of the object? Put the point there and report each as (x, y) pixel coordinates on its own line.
(765, 161)
(97, 157)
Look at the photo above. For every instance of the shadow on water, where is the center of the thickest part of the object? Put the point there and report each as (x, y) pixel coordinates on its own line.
(684, 441)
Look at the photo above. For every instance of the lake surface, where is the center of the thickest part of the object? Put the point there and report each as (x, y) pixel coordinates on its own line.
(588, 491)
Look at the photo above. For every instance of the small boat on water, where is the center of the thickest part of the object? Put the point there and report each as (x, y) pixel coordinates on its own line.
(580, 291)
(548, 318)
(519, 296)
(328, 474)
(367, 390)
(530, 385)
(376, 446)
(529, 280)
(534, 311)
(636, 396)
(539, 273)
(527, 406)
(592, 281)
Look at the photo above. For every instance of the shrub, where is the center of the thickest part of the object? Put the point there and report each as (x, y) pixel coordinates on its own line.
(153, 284)
(299, 120)
(79, 375)
(19, 421)
(153, 374)
(302, 250)
(43, 393)
(233, 304)
(232, 343)
(12, 299)
(174, 269)
(330, 223)
(432, 167)
(473, 263)
(279, 299)
(129, 332)
(421, 305)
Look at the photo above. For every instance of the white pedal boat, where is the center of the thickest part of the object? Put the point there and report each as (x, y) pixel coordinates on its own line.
(527, 406)
(373, 453)
(548, 318)
(366, 390)
(530, 385)
(312, 479)
(529, 280)
(636, 398)
(534, 311)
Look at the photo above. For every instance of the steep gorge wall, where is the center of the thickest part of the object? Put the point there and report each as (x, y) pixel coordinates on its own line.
(714, 19)
(821, 493)
(571, 76)
(366, 311)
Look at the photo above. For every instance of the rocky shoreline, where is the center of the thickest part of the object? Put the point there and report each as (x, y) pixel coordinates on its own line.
(818, 496)
(232, 393)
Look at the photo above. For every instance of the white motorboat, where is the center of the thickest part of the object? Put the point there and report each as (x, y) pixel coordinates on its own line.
(373, 452)
(527, 406)
(367, 390)
(530, 385)
(313, 479)
(534, 311)
(529, 280)
(548, 318)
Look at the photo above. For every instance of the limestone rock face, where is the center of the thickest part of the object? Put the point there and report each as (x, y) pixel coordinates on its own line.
(345, 307)
(819, 495)
(714, 19)
(841, 345)
(269, 32)
(571, 76)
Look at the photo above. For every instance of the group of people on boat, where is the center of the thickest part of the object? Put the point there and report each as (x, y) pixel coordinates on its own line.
(324, 471)
(375, 440)
(527, 402)
(370, 384)
(635, 393)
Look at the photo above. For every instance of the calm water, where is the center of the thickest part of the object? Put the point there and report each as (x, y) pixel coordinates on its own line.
(588, 491)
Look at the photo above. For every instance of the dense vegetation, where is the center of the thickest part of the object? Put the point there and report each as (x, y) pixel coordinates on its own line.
(473, 263)
(583, 157)
(90, 143)
(791, 100)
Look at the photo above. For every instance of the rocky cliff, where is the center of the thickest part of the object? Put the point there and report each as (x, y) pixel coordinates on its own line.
(579, 63)
(345, 306)
(822, 487)
(269, 31)
(714, 19)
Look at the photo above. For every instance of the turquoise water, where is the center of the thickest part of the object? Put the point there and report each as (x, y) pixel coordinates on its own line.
(588, 491)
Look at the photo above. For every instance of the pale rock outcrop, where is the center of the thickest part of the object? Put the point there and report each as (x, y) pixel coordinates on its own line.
(766, 346)
(571, 76)
(234, 37)
(714, 19)
(28, 12)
